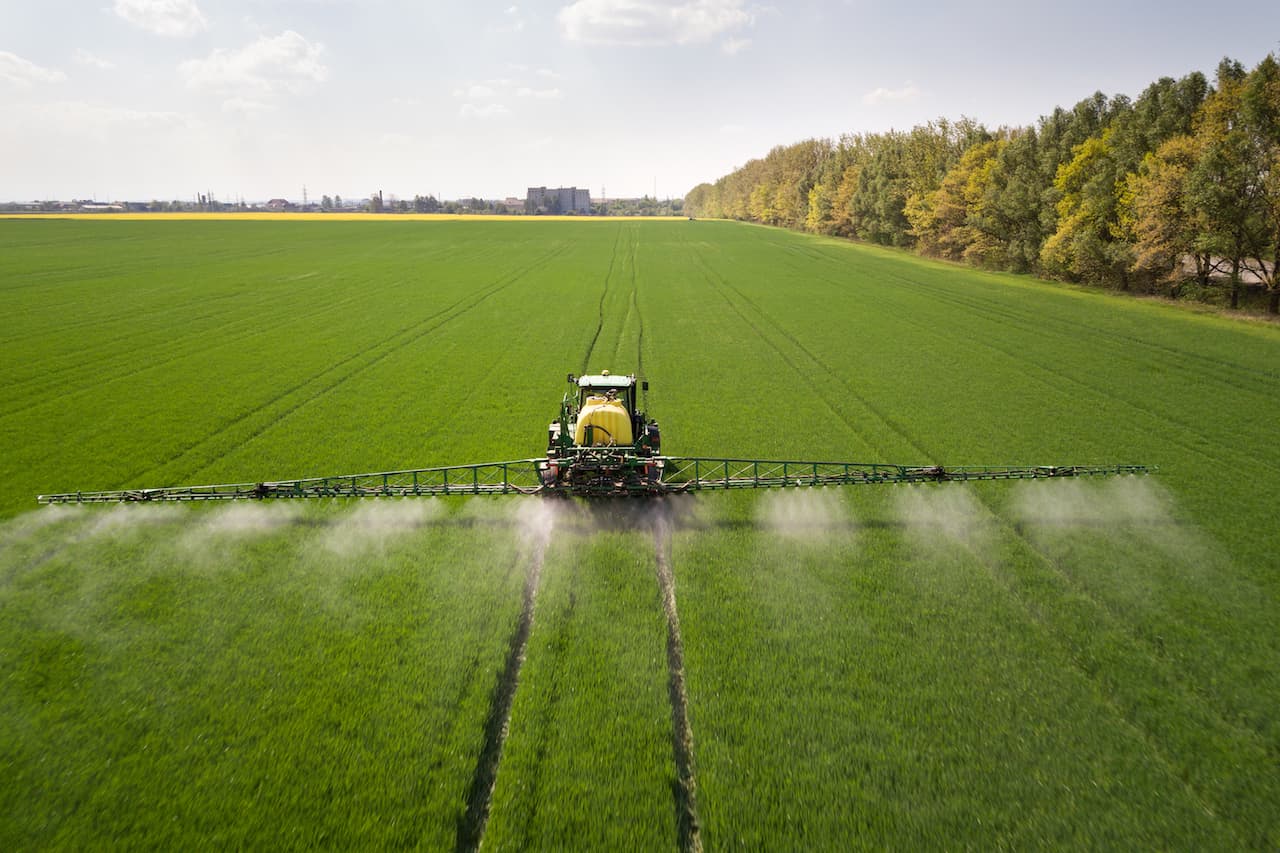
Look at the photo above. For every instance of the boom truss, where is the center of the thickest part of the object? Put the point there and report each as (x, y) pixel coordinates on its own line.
(660, 475)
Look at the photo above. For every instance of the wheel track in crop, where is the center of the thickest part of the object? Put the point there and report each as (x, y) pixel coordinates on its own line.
(178, 347)
(1061, 377)
(635, 301)
(1205, 367)
(1221, 714)
(471, 825)
(1058, 374)
(126, 342)
(72, 329)
(685, 790)
(1116, 620)
(1003, 317)
(254, 329)
(563, 636)
(273, 412)
(1035, 615)
(604, 294)
(1211, 367)
(633, 263)
(103, 276)
(723, 288)
(1179, 685)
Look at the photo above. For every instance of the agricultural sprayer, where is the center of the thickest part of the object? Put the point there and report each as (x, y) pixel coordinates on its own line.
(602, 444)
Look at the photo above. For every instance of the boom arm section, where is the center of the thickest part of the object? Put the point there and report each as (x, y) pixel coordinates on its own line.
(492, 478)
(605, 473)
(695, 474)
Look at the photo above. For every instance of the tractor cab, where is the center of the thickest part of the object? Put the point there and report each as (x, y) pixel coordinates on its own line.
(621, 389)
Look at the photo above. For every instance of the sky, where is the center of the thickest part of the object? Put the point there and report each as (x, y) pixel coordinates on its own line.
(257, 99)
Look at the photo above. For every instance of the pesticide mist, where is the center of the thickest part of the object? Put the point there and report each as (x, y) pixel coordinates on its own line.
(237, 522)
(939, 515)
(374, 525)
(803, 515)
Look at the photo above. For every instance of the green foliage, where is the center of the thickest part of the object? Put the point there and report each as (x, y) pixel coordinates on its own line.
(1077, 197)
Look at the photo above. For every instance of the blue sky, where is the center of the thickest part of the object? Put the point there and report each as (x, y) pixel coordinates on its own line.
(141, 99)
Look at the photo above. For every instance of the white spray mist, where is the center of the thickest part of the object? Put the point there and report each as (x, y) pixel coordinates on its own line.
(536, 520)
(127, 519)
(208, 537)
(942, 514)
(376, 523)
(1123, 506)
(21, 526)
(802, 515)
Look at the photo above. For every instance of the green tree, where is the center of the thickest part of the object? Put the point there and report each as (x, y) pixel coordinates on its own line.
(1088, 243)
(950, 221)
(1224, 183)
(1260, 108)
(1162, 222)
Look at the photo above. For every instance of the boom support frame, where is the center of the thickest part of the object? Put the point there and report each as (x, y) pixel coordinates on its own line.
(609, 474)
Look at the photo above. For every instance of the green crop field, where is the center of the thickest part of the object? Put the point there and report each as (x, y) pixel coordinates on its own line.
(1085, 664)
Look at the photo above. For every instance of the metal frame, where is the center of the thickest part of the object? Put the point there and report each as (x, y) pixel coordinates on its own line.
(688, 474)
(492, 478)
(601, 472)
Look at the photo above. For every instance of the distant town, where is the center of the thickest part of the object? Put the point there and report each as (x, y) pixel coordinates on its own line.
(538, 201)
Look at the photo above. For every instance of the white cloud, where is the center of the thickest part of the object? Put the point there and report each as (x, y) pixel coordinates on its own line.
(511, 22)
(483, 112)
(163, 17)
(267, 67)
(84, 57)
(476, 91)
(80, 115)
(882, 95)
(542, 94)
(246, 106)
(651, 22)
(500, 89)
(22, 72)
(548, 74)
(733, 46)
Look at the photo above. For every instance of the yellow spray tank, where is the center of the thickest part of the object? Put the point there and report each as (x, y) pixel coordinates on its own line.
(603, 421)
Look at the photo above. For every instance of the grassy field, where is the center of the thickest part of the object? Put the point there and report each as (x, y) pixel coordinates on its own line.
(1084, 664)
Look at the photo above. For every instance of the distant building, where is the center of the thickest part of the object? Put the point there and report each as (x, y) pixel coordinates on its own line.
(278, 204)
(558, 200)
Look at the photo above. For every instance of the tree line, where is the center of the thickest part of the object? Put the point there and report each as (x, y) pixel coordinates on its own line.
(1176, 191)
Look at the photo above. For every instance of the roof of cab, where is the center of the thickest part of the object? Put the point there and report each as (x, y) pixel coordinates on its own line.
(603, 381)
